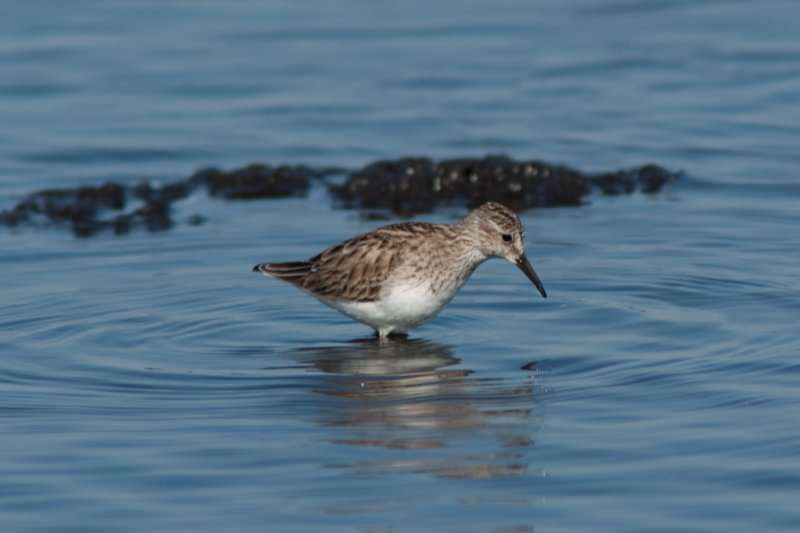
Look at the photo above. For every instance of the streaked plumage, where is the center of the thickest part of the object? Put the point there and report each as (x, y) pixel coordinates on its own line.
(400, 276)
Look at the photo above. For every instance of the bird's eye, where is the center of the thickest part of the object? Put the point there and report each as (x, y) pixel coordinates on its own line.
(506, 237)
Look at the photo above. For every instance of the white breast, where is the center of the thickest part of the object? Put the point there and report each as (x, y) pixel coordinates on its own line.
(402, 307)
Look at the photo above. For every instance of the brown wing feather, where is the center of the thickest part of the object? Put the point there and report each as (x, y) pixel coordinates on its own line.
(354, 269)
(294, 272)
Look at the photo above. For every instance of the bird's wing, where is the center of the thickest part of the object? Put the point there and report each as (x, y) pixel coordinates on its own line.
(357, 268)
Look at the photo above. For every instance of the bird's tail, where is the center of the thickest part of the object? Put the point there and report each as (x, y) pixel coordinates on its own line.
(293, 272)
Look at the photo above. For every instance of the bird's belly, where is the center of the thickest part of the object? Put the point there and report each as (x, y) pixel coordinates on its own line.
(401, 308)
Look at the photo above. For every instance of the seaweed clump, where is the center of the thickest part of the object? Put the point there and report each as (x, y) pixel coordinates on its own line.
(121, 208)
(414, 185)
(648, 179)
(256, 181)
(78, 207)
(403, 186)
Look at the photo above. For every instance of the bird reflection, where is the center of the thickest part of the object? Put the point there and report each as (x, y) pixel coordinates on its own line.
(371, 357)
(412, 395)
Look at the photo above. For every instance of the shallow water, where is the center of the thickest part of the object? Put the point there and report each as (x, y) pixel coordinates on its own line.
(152, 382)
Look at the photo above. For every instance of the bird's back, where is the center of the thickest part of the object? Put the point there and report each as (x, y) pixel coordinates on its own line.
(357, 268)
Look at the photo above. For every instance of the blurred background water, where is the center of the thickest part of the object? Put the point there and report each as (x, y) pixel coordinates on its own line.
(151, 382)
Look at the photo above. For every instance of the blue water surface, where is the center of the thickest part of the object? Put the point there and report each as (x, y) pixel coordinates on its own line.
(151, 382)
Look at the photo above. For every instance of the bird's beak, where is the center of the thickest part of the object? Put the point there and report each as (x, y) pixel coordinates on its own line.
(526, 267)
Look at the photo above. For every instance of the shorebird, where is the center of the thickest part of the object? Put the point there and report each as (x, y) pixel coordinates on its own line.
(400, 276)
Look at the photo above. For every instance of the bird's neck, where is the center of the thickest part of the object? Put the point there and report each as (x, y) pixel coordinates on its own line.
(459, 260)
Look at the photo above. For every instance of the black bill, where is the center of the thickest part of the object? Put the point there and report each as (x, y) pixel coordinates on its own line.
(526, 267)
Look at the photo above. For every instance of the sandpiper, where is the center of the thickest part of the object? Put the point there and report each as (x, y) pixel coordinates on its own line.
(400, 276)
